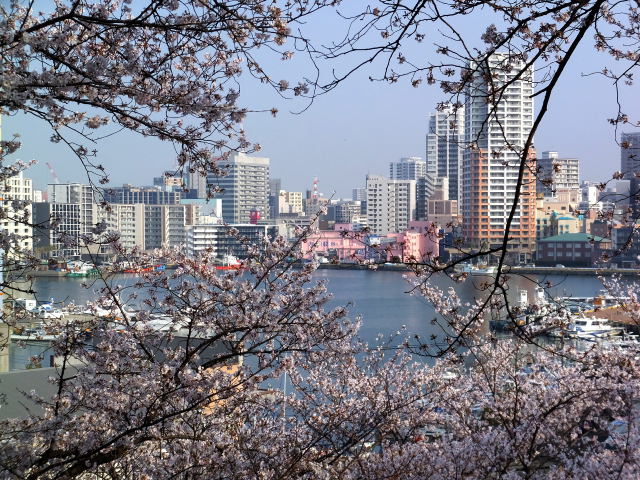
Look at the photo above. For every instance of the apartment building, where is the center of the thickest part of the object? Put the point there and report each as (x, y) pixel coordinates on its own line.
(445, 141)
(16, 197)
(156, 195)
(408, 168)
(391, 204)
(243, 189)
(556, 174)
(219, 239)
(290, 202)
(69, 215)
(497, 125)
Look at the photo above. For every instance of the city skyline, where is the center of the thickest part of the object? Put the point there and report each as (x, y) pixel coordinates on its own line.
(381, 124)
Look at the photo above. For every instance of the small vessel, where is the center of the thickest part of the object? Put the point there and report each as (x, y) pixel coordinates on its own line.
(81, 269)
(478, 269)
(587, 328)
(603, 299)
(525, 312)
(229, 262)
(145, 268)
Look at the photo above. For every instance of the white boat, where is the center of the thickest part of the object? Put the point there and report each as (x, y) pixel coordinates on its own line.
(587, 328)
(478, 269)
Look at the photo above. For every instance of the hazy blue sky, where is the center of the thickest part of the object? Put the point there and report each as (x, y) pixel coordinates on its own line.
(356, 129)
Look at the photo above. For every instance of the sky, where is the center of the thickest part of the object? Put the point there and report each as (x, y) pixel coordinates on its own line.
(354, 130)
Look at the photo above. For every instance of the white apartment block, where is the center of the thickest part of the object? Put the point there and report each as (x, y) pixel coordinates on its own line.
(69, 214)
(408, 168)
(77, 194)
(497, 124)
(16, 221)
(391, 204)
(290, 202)
(127, 220)
(216, 237)
(556, 174)
(244, 188)
(445, 141)
(150, 226)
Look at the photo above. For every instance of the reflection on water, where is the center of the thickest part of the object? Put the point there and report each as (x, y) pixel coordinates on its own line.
(380, 298)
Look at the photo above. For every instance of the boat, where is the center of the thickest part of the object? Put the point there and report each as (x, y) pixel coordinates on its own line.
(587, 328)
(525, 313)
(603, 299)
(229, 262)
(145, 268)
(477, 269)
(81, 269)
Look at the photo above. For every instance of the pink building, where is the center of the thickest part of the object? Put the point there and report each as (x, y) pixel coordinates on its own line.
(341, 243)
(419, 243)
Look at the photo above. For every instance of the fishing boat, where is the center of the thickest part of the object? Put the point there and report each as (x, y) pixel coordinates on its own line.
(81, 269)
(603, 299)
(587, 328)
(145, 268)
(229, 262)
(477, 269)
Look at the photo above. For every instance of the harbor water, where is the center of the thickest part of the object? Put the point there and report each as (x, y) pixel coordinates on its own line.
(382, 299)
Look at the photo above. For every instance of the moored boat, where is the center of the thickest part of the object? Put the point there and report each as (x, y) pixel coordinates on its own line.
(587, 328)
(229, 262)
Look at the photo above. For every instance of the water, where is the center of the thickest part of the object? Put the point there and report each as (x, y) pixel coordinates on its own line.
(380, 298)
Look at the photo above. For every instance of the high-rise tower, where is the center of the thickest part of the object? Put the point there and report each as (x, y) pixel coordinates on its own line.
(408, 168)
(445, 146)
(244, 188)
(498, 120)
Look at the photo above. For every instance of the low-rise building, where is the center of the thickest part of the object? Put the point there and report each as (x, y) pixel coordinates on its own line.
(418, 244)
(551, 224)
(342, 244)
(225, 240)
(572, 250)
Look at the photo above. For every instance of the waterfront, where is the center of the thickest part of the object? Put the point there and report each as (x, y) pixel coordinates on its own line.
(380, 298)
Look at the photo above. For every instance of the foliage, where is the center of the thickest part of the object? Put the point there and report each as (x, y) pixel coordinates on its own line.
(188, 385)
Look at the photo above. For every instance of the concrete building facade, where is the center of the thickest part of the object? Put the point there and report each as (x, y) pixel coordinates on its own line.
(408, 168)
(496, 129)
(445, 146)
(219, 239)
(244, 188)
(557, 174)
(391, 204)
(17, 221)
(156, 195)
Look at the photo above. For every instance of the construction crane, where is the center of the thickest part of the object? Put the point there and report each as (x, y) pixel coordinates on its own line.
(52, 172)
